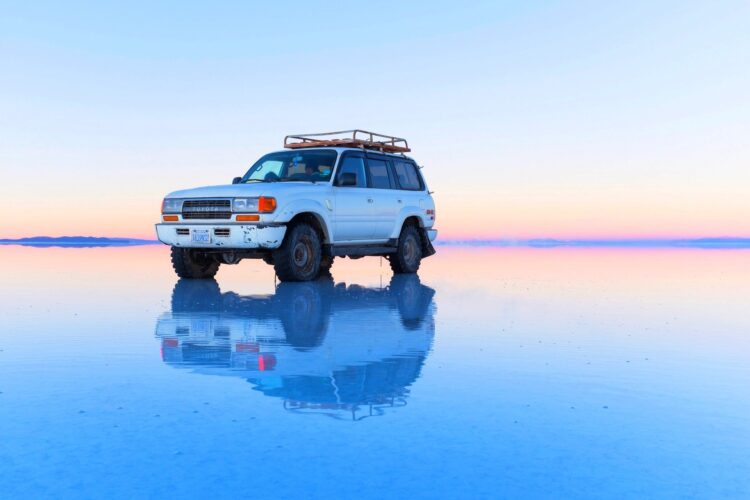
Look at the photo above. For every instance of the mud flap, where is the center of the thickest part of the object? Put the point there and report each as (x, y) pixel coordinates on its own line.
(427, 248)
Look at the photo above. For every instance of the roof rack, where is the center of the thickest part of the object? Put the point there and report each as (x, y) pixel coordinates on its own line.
(348, 138)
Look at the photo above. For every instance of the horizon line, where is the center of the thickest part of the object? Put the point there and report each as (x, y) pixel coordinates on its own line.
(728, 242)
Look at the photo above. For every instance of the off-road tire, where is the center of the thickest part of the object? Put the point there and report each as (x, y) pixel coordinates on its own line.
(326, 262)
(298, 257)
(187, 263)
(408, 254)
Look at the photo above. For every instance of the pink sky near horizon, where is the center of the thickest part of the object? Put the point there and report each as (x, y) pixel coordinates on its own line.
(456, 219)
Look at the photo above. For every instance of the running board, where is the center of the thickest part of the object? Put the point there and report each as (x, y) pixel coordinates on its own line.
(361, 251)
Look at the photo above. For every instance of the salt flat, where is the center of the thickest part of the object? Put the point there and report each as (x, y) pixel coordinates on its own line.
(506, 372)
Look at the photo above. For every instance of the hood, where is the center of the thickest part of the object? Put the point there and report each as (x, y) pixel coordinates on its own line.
(240, 190)
(225, 191)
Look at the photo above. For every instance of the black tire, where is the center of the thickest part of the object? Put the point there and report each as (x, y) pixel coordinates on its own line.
(408, 255)
(188, 263)
(326, 262)
(298, 258)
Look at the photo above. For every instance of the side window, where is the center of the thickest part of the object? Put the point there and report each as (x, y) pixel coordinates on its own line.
(407, 175)
(352, 165)
(379, 176)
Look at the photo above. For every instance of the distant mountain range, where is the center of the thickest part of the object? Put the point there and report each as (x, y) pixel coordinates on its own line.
(75, 241)
(727, 242)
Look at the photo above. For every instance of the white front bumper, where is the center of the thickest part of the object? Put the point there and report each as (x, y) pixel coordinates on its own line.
(432, 234)
(240, 235)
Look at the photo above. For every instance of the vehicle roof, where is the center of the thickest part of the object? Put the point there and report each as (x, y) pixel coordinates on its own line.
(343, 149)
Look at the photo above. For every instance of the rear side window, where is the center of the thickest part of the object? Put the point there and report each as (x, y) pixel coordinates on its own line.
(380, 177)
(353, 165)
(408, 178)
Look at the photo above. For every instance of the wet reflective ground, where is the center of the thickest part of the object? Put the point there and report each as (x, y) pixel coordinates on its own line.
(495, 373)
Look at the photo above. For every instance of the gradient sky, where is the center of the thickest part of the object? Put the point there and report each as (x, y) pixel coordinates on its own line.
(532, 119)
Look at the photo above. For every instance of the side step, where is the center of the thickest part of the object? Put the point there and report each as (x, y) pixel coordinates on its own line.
(361, 251)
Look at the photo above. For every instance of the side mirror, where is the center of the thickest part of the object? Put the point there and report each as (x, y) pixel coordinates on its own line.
(348, 179)
(236, 180)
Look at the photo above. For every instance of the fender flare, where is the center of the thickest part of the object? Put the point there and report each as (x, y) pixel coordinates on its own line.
(294, 208)
(405, 213)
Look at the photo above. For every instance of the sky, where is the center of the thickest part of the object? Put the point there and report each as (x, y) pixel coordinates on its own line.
(531, 119)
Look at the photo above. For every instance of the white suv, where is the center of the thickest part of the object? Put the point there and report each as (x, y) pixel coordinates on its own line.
(325, 196)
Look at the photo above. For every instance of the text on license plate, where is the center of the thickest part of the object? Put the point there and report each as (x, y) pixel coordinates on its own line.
(201, 236)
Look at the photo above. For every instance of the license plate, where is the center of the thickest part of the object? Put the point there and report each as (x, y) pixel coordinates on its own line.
(201, 236)
(200, 328)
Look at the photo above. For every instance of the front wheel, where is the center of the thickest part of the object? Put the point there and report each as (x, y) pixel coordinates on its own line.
(325, 264)
(188, 263)
(408, 254)
(298, 257)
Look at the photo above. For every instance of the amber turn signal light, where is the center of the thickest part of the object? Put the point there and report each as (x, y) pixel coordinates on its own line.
(170, 218)
(266, 204)
(248, 218)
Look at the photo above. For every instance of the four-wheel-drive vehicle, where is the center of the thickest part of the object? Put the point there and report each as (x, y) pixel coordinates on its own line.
(351, 193)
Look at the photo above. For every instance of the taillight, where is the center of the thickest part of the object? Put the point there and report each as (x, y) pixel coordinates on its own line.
(266, 362)
(169, 343)
(266, 204)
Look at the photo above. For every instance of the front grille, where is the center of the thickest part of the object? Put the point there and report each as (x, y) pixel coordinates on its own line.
(183, 231)
(206, 209)
(206, 215)
(223, 232)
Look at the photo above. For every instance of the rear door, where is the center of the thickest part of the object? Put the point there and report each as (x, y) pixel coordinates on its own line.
(352, 219)
(385, 203)
(411, 193)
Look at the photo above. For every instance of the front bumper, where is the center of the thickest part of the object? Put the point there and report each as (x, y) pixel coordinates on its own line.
(221, 235)
(432, 234)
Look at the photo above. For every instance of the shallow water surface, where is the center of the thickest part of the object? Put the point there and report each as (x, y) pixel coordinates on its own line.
(494, 373)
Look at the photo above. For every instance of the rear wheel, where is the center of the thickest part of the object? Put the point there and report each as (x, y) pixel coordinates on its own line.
(190, 264)
(408, 255)
(298, 258)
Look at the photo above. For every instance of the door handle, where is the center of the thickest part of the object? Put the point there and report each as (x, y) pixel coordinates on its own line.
(369, 200)
(399, 201)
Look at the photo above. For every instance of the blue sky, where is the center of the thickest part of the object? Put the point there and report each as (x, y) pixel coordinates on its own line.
(533, 119)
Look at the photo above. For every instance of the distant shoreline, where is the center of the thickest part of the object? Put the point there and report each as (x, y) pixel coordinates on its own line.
(706, 243)
(76, 241)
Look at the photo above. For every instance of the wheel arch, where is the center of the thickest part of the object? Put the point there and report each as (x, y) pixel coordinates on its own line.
(311, 211)
(407, 215)
(316, 221)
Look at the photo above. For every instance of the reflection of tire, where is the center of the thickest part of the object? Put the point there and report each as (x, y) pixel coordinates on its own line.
(412, 297)
(196, 296)
(304, 309)
(298, 258)
(408, 254)
(188, 263)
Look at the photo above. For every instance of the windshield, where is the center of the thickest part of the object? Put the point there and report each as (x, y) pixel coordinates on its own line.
(303, 166)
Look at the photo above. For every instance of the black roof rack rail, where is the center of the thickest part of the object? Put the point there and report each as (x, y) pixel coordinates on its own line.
(348, 138)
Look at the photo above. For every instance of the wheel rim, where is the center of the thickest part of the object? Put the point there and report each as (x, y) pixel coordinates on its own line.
(410, 250)
(303, 255)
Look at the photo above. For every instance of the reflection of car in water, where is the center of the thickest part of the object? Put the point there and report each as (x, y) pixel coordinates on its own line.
(317, 345)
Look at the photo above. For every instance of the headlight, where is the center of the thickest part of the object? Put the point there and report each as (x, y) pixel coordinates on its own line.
(245, 205)
(171, 206)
